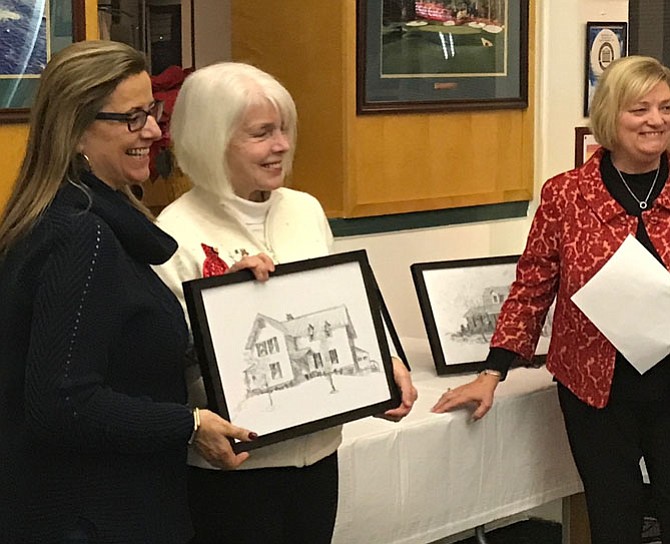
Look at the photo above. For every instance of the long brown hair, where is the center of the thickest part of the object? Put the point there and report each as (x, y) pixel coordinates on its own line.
(73, 88)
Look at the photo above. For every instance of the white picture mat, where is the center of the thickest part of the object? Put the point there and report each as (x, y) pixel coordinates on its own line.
(231, 311)
(452, 292)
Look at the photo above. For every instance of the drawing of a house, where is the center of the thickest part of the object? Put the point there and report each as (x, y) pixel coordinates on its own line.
(482, 319)
(282, 354)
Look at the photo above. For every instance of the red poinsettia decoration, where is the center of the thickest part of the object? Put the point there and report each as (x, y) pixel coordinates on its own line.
(165, 87)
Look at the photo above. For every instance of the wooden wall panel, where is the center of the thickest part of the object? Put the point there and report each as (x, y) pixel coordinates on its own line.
(379, 164)
(300, 44)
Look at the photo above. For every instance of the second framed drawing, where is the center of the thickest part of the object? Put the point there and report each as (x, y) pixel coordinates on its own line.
(302, 352)
(460, 302)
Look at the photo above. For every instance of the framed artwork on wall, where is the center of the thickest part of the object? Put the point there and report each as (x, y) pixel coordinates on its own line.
(415, 55)
(301, 352)
(30, 32)
(585, 145)
(605, 42)
(460, 302)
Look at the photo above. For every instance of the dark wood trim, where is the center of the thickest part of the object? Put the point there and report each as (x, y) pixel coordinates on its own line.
(193, 34)
(78, 20)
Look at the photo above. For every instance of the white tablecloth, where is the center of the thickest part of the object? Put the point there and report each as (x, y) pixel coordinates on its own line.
(434, 475)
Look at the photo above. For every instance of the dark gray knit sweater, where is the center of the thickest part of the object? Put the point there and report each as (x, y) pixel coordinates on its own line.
(93, 415)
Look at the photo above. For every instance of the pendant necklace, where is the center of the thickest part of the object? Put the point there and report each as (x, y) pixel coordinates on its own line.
(642, 203)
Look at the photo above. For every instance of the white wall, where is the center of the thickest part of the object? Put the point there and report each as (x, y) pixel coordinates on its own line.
(561, 29)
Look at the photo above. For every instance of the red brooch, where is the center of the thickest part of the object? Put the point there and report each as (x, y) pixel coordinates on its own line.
(213, 264)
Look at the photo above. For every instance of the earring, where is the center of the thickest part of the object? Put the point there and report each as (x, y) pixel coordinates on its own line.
(85, 161)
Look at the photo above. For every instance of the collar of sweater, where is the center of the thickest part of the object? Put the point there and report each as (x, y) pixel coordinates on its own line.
(143, 240)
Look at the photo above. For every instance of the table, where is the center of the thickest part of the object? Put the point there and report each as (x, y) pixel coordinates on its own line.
(435, 475)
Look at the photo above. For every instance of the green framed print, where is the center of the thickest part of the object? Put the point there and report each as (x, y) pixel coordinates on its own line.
(415, 55)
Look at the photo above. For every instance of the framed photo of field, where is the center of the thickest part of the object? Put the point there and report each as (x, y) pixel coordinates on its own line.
(415, 55)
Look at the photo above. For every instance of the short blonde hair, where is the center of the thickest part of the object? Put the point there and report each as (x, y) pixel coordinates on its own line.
(623, 82)
(208, 111)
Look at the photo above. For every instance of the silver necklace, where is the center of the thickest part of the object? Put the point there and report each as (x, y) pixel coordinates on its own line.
(642, 203)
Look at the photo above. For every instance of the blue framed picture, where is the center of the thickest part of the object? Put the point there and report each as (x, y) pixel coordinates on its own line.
(416, 55)
(30, 32)
(605, 42)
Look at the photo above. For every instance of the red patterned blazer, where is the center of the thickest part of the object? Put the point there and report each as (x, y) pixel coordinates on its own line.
(576, 229)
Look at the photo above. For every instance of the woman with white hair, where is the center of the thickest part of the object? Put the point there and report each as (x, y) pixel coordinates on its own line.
(234, 132)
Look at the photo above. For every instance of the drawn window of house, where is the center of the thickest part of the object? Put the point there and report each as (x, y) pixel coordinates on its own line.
(318, 361)
(333, 356)
(275, 371)
(273, 345)
(328, 329)
(495, 297)
(310, 331)
(261, 349)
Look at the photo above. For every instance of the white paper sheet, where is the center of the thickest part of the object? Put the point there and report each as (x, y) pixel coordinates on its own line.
(628, 299)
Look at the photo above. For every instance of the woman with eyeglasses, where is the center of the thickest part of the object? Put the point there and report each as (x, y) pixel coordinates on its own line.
(94, 423)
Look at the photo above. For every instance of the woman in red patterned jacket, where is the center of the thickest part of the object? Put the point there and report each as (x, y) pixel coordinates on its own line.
(614, 415)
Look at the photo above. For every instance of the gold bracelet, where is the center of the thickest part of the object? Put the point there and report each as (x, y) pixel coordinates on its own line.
(491, 372)
(196, 425)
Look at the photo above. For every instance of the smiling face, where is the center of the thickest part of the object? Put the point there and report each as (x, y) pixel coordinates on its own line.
(255, 155)
(643, 132)
(116, 155)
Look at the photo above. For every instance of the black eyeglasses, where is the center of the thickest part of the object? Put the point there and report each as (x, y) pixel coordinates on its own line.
(137, 119)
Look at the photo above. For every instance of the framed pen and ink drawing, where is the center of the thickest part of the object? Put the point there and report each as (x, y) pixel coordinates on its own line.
(460, 302)
(415, 55)
(605, 42)
(301, 352)
(30, 32)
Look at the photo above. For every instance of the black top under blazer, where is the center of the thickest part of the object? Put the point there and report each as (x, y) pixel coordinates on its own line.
(93, 415)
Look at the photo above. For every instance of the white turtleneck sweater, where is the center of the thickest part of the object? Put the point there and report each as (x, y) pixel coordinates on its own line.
(289, 226)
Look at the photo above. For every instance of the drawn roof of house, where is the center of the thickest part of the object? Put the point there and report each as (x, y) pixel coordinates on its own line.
(488, 306)
(297, 327)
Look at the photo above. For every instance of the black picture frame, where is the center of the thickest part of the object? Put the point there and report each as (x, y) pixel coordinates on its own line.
(397, 69)
(329, 356)
(605, 42)
(392, 333)
(65, 23)
(460, 301)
